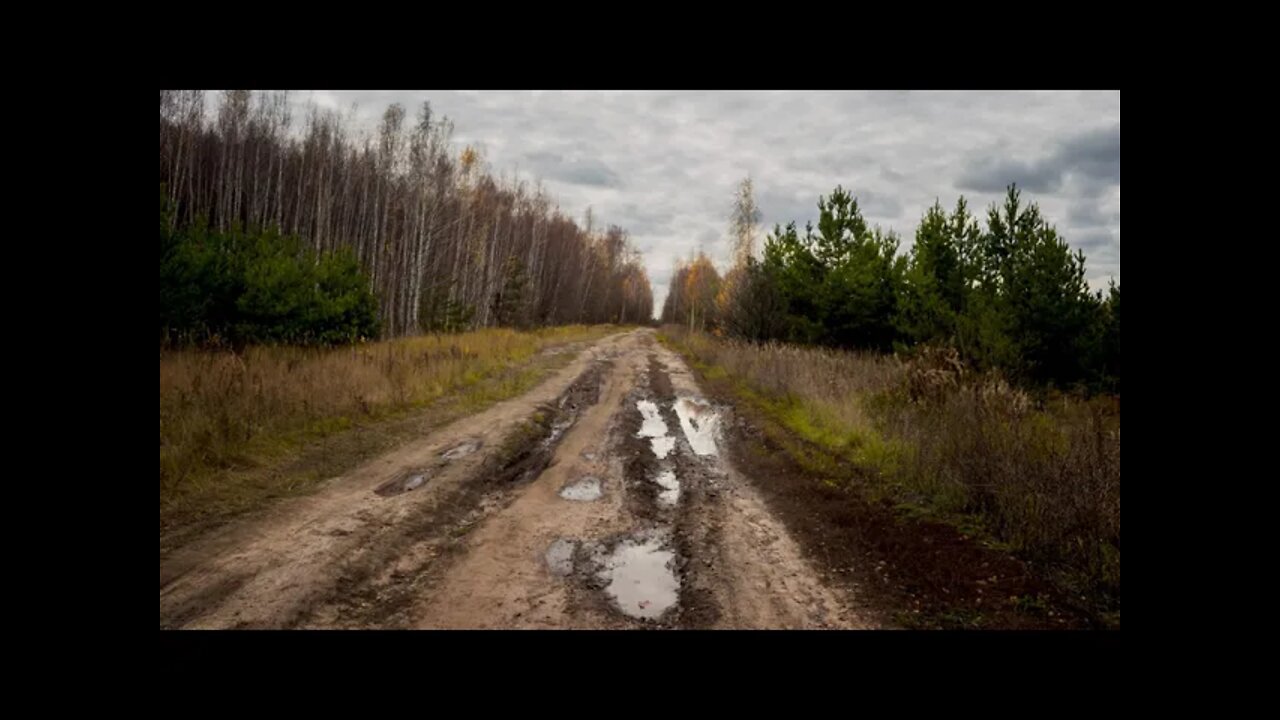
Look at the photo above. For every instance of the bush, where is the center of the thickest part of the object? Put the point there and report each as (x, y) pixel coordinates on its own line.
(245, 287)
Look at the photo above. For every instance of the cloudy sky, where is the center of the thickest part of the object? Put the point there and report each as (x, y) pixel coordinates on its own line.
(664, 164)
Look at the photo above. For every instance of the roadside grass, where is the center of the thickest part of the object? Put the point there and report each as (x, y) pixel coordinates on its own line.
(236, 431)
(1037, 477)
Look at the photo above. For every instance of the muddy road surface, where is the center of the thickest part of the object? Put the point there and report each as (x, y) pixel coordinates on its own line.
(604, 498)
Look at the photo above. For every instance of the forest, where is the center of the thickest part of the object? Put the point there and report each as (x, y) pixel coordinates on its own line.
(308, 230)
(1007, 295)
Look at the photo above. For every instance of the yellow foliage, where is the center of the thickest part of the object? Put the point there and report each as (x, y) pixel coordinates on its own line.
(468, 159)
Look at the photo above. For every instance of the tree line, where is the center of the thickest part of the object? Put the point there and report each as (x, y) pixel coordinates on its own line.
(1008, 294)
(269, 228)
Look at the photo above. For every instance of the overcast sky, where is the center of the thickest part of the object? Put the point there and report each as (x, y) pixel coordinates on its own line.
(664, 164)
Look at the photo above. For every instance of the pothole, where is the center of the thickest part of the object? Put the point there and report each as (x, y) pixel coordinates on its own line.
(462, 450)
(641, 576)
(557, 430)
(700, 423)
(401, 485)
(654, 428)
(670, 494)
(585, 490)
(662, 446)
(560, 557)
(526, 454)
(653, 425)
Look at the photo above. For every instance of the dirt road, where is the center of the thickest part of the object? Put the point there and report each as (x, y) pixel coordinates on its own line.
(604, 498)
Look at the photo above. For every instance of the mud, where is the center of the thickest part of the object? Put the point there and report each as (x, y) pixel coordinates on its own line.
(666, 480)
(462, 450)
(411, 481)
(584, 490)
(315, 561)
(560, 556)
(603, 498)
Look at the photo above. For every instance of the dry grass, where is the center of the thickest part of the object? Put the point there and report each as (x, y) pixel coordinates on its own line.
(1042, 477)
(825, 387)
(220, 413)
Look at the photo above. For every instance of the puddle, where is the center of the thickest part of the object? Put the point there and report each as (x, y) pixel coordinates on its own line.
(700, 424)
(401, 485)
(641, 578)
(653, 425)
(557, 431)
(560, 557)
(585, 490)
(462, 450)
(670, 487)
(655, 429)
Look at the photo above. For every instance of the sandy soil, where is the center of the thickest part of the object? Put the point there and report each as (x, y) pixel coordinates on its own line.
(603, 498)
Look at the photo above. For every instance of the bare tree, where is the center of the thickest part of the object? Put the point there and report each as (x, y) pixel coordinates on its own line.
(744, 225)
(427, 225)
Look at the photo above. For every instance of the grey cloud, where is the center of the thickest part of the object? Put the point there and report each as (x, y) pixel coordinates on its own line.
(889, 174)
(876, 205)
(1093, 156)
(589, 173)
(779, 207)
(1086, 215)
(649, 218)
(1091, 241)
(708, 238)
(993, 175)
(664, 165)
(553, 166)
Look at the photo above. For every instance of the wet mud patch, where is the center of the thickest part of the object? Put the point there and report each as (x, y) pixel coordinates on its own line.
(586, 489)
(660, 381)
(462, 450)
(414, 479)
(640, 493)
(377, 588)
(696, 420)
(524, 455)
(653, 427)
(559, 557)
(634, 576)
(650, 478)
(700, 423)
(402, 484)
(651, 423)
(697, 535)
(670, 494)
(639, 420)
